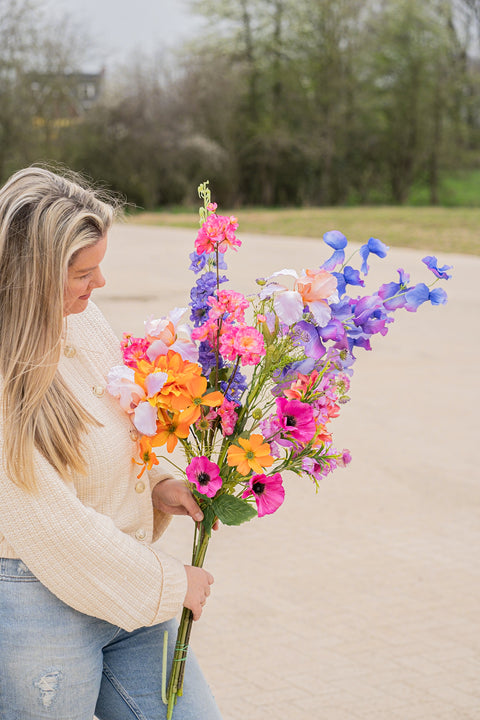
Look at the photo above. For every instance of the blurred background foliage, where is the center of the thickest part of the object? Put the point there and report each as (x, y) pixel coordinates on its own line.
(277, 103)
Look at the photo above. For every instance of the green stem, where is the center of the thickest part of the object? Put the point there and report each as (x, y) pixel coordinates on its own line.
(175, 683)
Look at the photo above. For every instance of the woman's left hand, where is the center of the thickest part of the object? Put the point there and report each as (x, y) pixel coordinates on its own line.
(173, 497)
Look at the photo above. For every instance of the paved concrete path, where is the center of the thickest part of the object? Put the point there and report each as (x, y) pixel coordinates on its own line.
(361, 602)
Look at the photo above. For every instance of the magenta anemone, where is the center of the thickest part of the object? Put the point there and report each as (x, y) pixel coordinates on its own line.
(205, 475)
(268, 491)
(296, 419)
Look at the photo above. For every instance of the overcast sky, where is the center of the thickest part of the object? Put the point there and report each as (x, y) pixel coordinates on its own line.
(119, 27)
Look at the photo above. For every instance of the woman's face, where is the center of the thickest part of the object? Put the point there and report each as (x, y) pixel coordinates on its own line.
(84, 275)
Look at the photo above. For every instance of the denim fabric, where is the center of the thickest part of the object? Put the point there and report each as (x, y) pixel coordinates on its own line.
(60, 664)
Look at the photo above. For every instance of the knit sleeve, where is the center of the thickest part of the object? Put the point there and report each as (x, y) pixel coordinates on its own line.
(84, 559)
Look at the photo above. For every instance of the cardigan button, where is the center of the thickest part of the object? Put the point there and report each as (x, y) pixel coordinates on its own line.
(98, 390)
(69, 351)
(140, 534)
(140, 487)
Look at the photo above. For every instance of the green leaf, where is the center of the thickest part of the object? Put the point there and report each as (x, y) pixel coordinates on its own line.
(232, 510)
(209, 518)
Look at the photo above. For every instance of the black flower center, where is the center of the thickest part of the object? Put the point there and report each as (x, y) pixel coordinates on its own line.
(258, 488)
(291, 421)
(203, 478)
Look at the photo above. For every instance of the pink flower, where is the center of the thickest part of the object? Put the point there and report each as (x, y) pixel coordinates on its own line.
(345, 459)
(228, 416)
(244, 341)
(205, 475)
(316, 285)
(230, 302)
(296, 419)
(121, 384)
(133, 350)
(217, 233)
(269, 492)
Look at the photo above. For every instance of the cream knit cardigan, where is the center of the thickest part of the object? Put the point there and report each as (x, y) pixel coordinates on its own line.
(93, 542)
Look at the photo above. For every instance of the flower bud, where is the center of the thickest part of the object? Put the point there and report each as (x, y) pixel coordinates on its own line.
(257, 414)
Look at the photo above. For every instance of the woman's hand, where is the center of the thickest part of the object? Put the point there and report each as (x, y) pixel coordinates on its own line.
(173, 497)
(198, 589)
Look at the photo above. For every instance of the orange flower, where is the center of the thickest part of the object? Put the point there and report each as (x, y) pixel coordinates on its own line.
(253, 455)
(316, 285)
(146, 453)
(170, 428)
(196, 387)
(174, 394)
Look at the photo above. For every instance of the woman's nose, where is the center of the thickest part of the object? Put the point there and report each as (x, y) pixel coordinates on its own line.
(98, 279)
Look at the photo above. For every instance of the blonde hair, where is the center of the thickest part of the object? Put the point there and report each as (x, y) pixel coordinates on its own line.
(45, 219)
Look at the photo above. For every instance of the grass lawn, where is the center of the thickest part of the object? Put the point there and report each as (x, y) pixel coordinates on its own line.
(437, 229)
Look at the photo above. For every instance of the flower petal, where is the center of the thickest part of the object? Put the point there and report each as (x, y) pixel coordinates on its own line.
(289, 306)
(145, 418)
(321, 311)
(155, 382)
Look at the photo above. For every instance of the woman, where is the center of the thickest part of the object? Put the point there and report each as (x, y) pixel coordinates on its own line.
(85, 590)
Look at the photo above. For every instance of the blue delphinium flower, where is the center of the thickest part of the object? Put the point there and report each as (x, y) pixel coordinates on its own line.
(207, 358)
(198, 261)
(201, 291)
(234, 387)
(377, 247)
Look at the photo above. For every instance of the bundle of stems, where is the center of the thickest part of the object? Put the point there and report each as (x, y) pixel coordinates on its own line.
(177, 674)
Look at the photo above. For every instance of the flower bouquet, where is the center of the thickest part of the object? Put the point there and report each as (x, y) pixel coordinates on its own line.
(250, 386)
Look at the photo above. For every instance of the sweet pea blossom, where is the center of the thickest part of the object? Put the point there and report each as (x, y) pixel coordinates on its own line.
(315, 288)
(121, 384)
(336, 240)
(349, 276)
(163, 334)
(420, 294)
(432, 264)
(377, 247)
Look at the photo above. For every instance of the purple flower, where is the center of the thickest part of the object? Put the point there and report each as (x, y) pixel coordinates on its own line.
(296, 419)
(420, 294)
(207, 358)
(333, 331)
(307, 335)
(336, 240)
(393, 294)
(199, 294)
(234, 388)
(431, 262)
(268, 491)
(366, 307)
(205, 475)
(197, 261)
(349, 276)
(377, 247)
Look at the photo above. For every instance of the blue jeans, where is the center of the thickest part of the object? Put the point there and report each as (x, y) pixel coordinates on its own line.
(60, 664)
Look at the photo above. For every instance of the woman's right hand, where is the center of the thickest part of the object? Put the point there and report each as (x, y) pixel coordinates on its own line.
(198, 589)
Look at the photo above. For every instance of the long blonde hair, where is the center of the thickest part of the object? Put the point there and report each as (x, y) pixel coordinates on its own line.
(45, 219)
